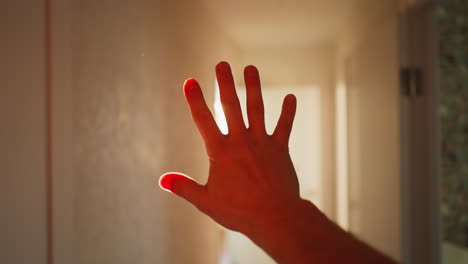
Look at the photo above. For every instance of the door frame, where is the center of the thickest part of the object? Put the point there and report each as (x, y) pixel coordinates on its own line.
(420, 147)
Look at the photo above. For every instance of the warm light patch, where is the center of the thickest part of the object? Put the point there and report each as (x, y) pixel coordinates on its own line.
(341, 156)
(219, 113)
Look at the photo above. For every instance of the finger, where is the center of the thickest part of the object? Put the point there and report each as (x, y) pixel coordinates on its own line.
(229, 99)
(285, 122)
(201, 114)
(255, 109)
(185, 187)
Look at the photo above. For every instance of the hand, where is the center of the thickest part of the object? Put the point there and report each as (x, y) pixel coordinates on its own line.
(251, 175)
(252, 186)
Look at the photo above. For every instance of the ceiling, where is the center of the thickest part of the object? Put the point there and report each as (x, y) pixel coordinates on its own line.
(271, 23)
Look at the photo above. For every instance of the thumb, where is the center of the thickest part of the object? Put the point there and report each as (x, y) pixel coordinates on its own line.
(183, 186)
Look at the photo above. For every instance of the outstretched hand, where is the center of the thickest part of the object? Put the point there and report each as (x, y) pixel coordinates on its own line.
(251, 175)
(252, 186)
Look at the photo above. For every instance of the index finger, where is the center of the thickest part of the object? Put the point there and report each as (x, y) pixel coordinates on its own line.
(201, 114)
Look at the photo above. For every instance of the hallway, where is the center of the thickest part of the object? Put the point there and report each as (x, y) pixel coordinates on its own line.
(108, 118)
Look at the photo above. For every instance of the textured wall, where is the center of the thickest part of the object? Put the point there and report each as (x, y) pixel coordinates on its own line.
(453, 43)
(118, 141)
(131, 124)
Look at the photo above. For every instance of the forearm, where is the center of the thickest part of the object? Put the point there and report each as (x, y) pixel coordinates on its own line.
(302, 234)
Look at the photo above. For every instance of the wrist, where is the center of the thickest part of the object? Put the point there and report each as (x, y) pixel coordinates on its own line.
(300, 233)
(288, 231)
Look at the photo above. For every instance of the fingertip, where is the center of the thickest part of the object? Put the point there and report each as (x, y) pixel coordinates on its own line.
(250, 68)
(190, 82)
(291, 98)
(290, 103)
(222, 63)
(174, 182)
(184, 187)
(166, 182)
(222, 66)
(190, 85)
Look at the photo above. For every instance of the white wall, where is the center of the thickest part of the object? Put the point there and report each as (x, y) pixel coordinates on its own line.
(22, 133)
(129, 124)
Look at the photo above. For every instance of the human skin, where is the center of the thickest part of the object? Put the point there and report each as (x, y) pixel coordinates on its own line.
(252, 186)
